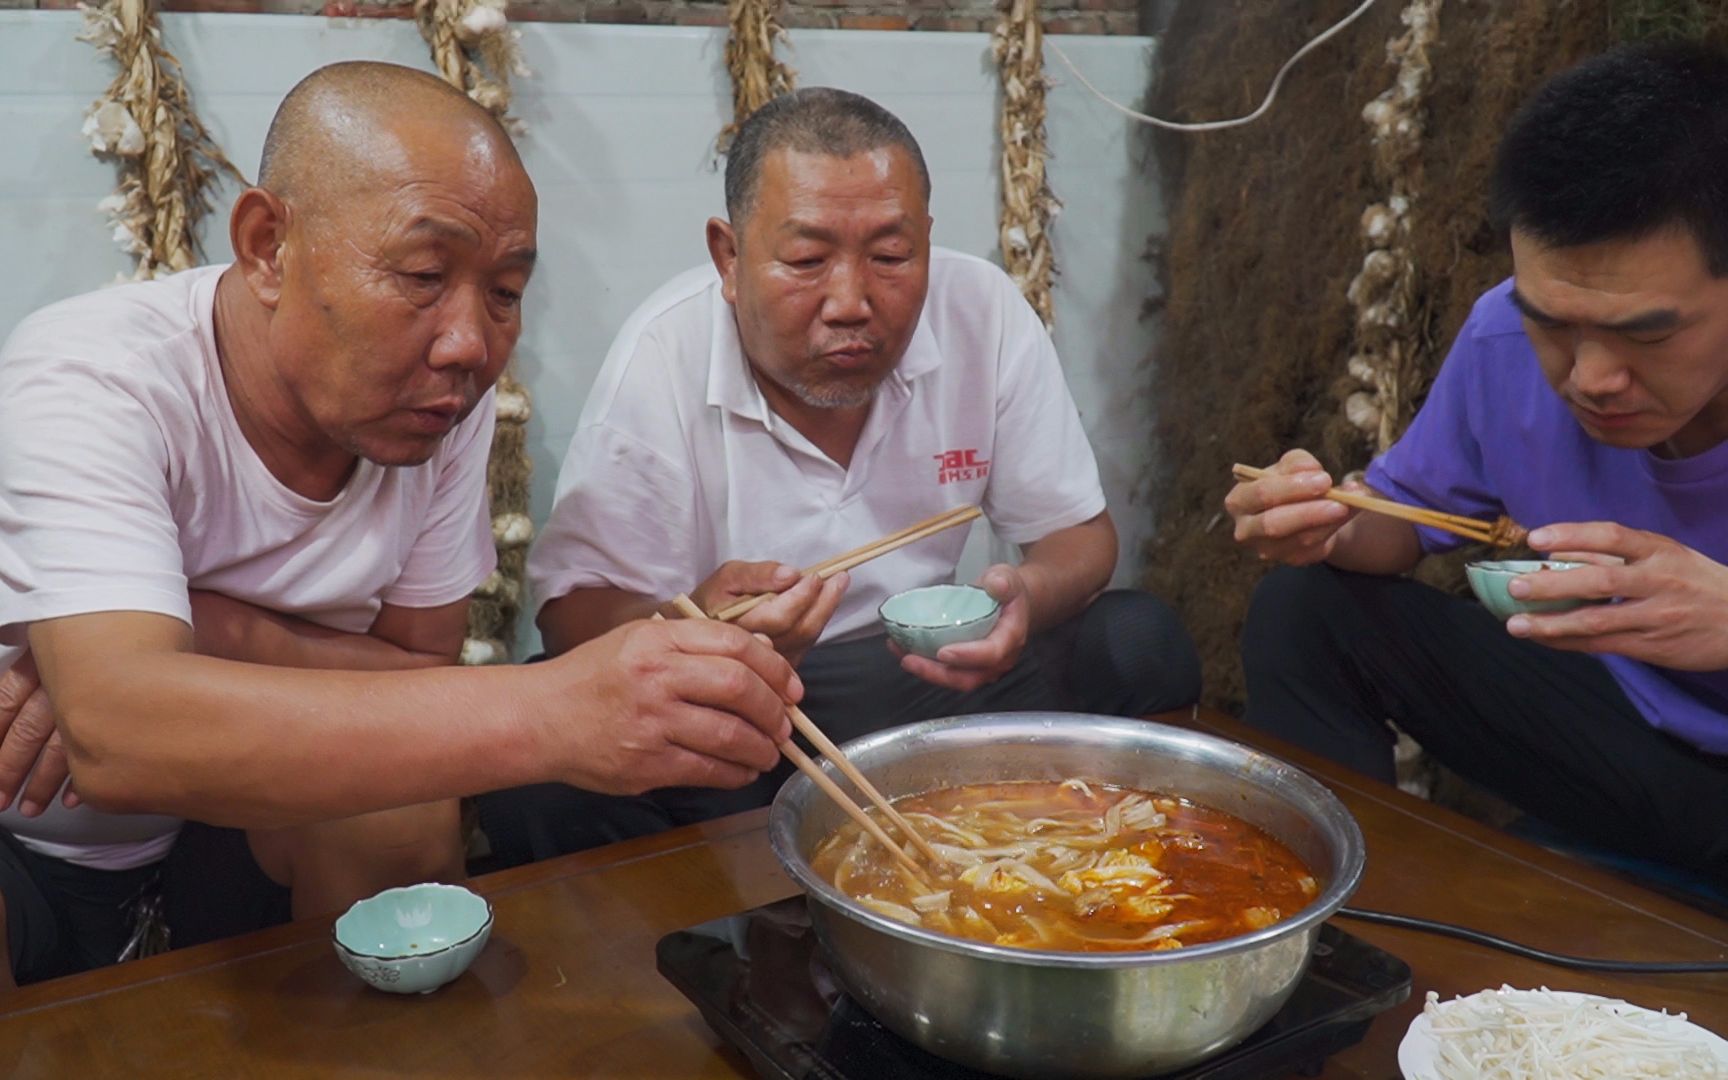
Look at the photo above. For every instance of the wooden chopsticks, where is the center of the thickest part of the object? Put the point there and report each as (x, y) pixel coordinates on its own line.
(826, 747)
(856, 557)
(911, 534)
(1502, 532)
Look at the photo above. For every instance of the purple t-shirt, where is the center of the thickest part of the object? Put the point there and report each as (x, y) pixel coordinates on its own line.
(1493, 438)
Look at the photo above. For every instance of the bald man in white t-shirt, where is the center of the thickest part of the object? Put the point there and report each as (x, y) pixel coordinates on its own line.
(829, 379)
(212, 483)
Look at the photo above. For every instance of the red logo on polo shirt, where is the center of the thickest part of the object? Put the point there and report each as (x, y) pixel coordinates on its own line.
(953, 466)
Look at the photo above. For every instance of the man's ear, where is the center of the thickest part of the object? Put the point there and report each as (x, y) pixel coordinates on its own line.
(723, 249)
(258, 229)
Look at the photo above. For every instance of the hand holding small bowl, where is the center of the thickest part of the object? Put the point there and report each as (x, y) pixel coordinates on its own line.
(1491, 580)
(922, 621)
(1647, 597)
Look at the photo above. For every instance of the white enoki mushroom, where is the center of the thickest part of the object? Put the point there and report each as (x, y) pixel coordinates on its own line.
(1510, 1034)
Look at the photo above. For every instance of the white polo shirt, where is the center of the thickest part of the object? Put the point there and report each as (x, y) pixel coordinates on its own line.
(679, 465)
(125, 482)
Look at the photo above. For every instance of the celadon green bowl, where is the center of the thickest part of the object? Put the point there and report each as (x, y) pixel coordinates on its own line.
(415, 939)
(923, 620)
(1488, 580)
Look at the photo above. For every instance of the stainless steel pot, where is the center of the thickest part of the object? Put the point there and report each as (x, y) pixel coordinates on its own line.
(1038, 1013)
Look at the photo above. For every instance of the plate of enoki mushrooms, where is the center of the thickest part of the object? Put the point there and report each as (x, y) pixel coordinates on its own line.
(1510, 1034)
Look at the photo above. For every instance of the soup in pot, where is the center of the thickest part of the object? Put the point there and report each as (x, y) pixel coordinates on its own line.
(1074, 866)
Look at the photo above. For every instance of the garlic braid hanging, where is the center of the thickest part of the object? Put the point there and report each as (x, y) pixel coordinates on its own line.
(167, 160)
(476, 50)
(1029, 207)
(753, 26)
(1389, 334)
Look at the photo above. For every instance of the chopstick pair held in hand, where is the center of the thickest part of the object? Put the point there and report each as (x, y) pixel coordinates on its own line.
(1503, 532)
(688, 608)
(911, 534)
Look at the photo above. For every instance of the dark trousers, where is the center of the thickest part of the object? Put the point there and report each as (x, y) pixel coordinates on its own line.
(1331, 656)
(1126, 655)
(62, 918)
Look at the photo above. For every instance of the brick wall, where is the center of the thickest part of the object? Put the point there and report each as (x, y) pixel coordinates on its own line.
(1060, 16)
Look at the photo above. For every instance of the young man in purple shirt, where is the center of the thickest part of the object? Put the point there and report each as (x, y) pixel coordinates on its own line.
(1587, 397)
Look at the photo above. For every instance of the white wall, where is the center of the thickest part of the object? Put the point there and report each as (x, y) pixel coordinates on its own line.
(621, 122)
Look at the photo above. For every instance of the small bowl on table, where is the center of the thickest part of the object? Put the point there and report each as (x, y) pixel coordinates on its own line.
(1489, 579)
(922, 621)
(415, 939)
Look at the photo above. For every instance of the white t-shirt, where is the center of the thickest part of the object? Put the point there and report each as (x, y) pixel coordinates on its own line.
(678, 463)
(125, 482)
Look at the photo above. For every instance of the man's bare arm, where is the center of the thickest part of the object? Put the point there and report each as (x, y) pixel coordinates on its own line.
(32, 753)
(584, 614)
(151, 726)
(1066, 570)
(400, 637)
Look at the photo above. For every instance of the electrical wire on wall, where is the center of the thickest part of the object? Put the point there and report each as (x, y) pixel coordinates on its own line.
(1219, 125)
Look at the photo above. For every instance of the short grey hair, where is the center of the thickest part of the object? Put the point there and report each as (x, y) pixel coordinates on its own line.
(813, 120)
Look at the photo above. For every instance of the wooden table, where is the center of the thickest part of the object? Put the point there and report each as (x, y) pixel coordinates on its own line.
(567, 986)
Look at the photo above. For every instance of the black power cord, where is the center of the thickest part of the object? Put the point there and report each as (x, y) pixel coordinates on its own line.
(1576, 963)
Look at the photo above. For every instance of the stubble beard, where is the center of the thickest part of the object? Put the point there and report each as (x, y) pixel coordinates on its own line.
(833, 395)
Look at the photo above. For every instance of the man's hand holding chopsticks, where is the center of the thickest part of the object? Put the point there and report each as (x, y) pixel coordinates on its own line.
(1672, 608)
(1285, 516)
(673, 703)
(793, 620)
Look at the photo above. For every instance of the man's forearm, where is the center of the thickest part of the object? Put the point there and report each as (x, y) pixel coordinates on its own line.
(235, 630)
(257, 746)
(584, 614)
(1067, 569)
(1376, 544)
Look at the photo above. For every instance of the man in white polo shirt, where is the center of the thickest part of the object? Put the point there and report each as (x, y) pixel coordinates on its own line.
(212, 483)
(829, 379)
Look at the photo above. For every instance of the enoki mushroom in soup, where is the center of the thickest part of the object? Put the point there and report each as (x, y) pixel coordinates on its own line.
(1075, 866)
